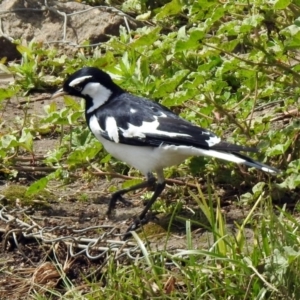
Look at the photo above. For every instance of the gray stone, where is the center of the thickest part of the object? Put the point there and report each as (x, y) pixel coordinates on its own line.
(30, 19)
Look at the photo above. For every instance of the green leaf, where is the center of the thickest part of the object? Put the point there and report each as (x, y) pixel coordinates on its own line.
(281, 4)
(37, 186)
(52, 107)
(81, 155)
(131, 182)
(169, 85)
(146, 39)
(291, 182)
(26, 140)
(172, 8)
(179, 97)
(9, 141)
(24, 50)
(105, 159)
(258, 189)
(191, 42)
(6, 93)
(70, 102)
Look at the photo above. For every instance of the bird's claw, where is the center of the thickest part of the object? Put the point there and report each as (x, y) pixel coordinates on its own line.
(113, 202)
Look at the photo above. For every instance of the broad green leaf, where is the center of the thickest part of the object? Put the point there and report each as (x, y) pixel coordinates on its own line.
(37, 186)
(144, 17)
(172, 8)
(276, 150)
(169, 85)
(70, 102)
(216, 15)
(82, 155)
(106, 159)
(191, 42)
(6, 93)
(230, 46)
(179, 97)
(146, 39)
(291, 182)
(131, 182)
(73, 117)
(26, 140)
(9, 141)
(52, 107)
(281, 4)
(295, 164)
(24, 50)
(258, 188)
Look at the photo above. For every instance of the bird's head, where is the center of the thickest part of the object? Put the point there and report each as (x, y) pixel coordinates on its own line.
(92, 84)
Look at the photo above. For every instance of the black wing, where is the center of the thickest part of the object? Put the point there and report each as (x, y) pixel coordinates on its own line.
(142, 122)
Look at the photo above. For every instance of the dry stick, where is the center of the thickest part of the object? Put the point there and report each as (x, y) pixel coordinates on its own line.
(98, 172)
(284, 115)
(29, 158)
(116, 175)
(197, 112)
(34, 169)
(35, 99)
(241, 101)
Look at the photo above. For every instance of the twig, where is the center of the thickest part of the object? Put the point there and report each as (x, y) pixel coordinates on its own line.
(285, 115)
(117, 175)
(33, 169)
(98, 173)
(41, 98)
(29, 158)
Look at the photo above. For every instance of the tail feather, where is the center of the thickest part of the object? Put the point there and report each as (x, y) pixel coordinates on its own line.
(181, 152)
(253, 163)
(235, 158)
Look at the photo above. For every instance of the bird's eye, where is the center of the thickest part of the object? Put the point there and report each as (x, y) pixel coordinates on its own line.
(78, 88)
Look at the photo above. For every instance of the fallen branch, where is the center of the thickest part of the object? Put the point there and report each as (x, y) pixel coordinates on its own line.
(286, 114)
(98, 173)
(117, 175)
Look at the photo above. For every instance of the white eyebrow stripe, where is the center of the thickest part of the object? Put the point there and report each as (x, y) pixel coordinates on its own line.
(79, 80)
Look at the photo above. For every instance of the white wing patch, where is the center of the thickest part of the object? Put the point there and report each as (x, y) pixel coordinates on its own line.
(79, 80)
(95, 127)
(147, 127)
(112, 129)
(133, 111)
(213, 140)
(98, 93)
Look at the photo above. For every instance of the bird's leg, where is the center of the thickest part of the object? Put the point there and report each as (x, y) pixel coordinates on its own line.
(142, 217)
(118, 195)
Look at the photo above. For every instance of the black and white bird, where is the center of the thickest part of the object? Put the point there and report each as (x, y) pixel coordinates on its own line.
(145, 134)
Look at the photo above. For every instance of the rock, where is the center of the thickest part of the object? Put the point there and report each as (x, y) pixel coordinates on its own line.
(30, 19)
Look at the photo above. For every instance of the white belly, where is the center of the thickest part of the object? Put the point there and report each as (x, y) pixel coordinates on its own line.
(145, 159)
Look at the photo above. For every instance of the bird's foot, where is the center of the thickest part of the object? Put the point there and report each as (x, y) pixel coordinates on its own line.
(113, 201)
(124, 201)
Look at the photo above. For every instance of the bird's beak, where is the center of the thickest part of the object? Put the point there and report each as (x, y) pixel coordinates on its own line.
(58, 93)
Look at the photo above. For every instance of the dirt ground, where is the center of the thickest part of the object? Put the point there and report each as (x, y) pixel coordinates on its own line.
(68, 229)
